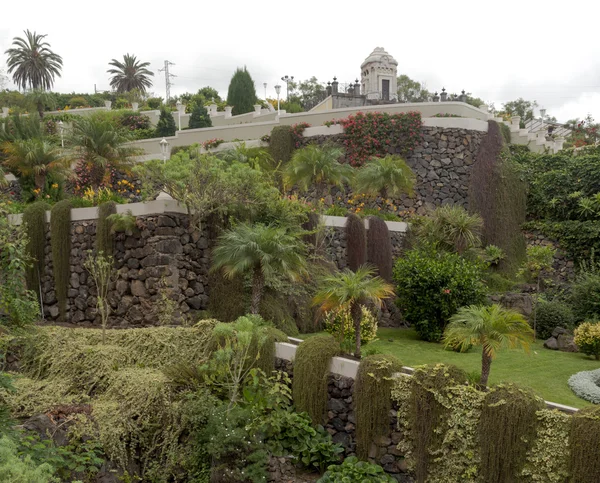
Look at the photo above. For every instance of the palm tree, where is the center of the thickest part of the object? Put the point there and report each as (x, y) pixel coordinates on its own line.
(492, 327)
(37, 158)
(40, 98)
(316, 165)
(130, 74)
(263, 250)
(388, 176)
(256, 157)
(353, 289)
(98, 143)
(32, 63)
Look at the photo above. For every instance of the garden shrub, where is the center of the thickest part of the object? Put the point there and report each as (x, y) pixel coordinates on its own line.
(432, 286)
(34, 220)
(586, 385)
(585, 296)
(552, 314)
(497, 193)
(508, 428)
(426, 413)
(379, 248)
(587, 338)
(577, 238)
(60, 239)
(17, 469)
(356, 242)
(339, 323)
(311, 372)
(281, 144)
(104, 235)
(372, 399)
(165, 126)
(584, 442)
(227, 297)
(199, 118)
(352, 469)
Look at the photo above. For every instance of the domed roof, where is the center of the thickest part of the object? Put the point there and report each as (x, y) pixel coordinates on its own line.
(379, 55)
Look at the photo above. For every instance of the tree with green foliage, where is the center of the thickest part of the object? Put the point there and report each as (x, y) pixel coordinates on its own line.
(242, 92)
(165, 126)
(264, 251)
(317, 166)
(100, 267)
(130, 74)
(41, 100)
(36, 158)
(387, 176)
(491, 327)
(411, 91)
(353, 289)
(520, 107)
(199, 118)
(32, 63)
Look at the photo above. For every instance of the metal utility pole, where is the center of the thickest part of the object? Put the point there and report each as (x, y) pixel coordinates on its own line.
(168, 82)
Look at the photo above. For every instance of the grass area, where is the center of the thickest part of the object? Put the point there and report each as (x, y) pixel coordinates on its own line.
(544, 370)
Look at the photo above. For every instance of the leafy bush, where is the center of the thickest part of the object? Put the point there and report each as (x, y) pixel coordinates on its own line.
(339, 323)
(586, 385)
(432, 285)
(587, 338)
(18, 469)
(578, 238)
(552, 314)
(353, 470)
(585, 296)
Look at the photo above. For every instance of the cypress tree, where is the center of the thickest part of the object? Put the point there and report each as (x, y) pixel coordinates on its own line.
(379, 247)
(281, 144)
(60, 240)
(356, 242)
(584, 440)
(166, 124)
(34, 219)
(104, 236)
(200, 117)
(242, 93)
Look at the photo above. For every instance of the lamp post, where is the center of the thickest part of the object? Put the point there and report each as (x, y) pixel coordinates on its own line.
(178, 115)
(164, 147)
(287, 80)
(265, 86)
(542, 114)
(61, 128)
(278, 90)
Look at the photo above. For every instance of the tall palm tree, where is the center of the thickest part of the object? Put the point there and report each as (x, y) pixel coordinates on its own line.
(319, 166)
(130, 74)
(32, 63)
(492, 327)
(263, 250)
(37, 158)
(97, 142)
(353, 289)
(388, 176)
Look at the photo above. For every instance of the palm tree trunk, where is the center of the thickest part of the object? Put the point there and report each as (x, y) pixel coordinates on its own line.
(356, 316)
(40, 109)
(40, 181)
(258, 287)
(486, 363)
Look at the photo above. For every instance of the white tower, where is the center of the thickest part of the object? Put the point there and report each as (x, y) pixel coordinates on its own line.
(379, 77)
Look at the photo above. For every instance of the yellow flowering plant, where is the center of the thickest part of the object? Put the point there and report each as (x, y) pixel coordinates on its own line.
(587, 338)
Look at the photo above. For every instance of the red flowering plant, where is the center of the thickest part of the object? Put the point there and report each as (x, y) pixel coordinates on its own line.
(297, 131)
(212, 143)
(375, 133)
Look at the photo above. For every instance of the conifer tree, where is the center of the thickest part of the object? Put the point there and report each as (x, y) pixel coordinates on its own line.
(200, 117)
(242, 93)
(166, 123)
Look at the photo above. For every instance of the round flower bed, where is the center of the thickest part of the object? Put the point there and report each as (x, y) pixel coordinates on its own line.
(586, 385)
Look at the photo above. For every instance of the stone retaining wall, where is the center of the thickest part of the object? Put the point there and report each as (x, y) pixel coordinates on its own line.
(564, 268)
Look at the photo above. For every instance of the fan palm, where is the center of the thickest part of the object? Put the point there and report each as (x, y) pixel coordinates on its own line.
(492, 327)
(37, 158)
(97, 142)
(130, 74)
(388, 176)
(265, 251)
(32, 63)
(353, 289)
(319, 166)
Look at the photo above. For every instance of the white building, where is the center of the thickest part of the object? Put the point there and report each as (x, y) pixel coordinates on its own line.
(379, 77)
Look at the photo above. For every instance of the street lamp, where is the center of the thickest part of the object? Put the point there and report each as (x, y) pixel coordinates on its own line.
(277, 90)
(179, 114)
(164, 148)
(61, 128)
(542, 113)
(265, 86)
(287, 81)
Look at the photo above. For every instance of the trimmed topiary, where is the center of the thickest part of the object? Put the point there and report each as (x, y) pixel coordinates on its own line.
(587, 338)
(60, 240)
(372, 399)
(281, 144)
(104, 236)
(507, 429)
(584, 441)
(311, 371)
(426, 414)
(379, 247)
(356, 242)
(586, 385)
(34, 220)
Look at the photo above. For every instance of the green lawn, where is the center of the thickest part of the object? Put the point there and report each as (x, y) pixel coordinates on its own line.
(543, 370)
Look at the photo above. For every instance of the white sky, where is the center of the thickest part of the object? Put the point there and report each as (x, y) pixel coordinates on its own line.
(499, 51)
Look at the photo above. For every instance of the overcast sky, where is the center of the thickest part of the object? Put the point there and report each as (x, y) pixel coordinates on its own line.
(499, 51)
